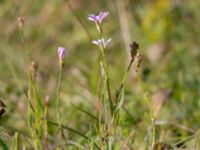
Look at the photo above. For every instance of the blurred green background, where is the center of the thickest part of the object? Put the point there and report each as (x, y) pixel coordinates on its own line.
(168, 35)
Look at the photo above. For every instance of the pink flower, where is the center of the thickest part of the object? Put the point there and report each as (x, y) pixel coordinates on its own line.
(61, 53)
(98, 18)
(61, 56)
(101, 42)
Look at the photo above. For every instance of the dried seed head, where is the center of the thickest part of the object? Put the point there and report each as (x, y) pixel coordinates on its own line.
(139, 59)
(134, 49)
(34, 65)
(20, 22)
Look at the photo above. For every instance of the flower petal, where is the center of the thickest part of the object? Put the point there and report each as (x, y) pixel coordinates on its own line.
(102, 15)
(61, 52)
(102, 42)
(95, 42)
(108, 41)
(92, 17)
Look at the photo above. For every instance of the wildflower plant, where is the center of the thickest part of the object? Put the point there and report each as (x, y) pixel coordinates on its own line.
(108, 105)
(107, 125)
(35, 108)
(99, 110)
(107, 115)
(61, 56)
(38, 110)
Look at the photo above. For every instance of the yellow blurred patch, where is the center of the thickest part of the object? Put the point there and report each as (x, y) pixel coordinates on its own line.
(156, 20)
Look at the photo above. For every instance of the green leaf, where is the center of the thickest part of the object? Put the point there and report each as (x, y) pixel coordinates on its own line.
(16, 141)
(84, 111)
(121, 99)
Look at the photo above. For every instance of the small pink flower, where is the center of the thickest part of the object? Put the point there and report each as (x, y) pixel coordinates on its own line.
(101, 42)
(61, 56)
(98, 18)
(61, 53)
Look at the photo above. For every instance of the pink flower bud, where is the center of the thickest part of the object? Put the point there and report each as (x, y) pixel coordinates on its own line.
(61, 55)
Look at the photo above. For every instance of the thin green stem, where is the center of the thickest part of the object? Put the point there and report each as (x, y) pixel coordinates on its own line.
(120, 94)
(124, 79)
(107, 79)
(30, 107)
(153, 133)
(58, 106)
(16, 141)
(46, 127)
(57, 98)
(25, 45)
(105, 67)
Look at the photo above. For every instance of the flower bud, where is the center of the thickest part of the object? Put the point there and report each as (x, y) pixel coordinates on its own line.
(61, 56)
(20, 22)
(138, 62)
(46, 101)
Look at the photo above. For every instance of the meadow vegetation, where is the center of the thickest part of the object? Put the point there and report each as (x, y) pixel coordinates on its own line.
(107, 75)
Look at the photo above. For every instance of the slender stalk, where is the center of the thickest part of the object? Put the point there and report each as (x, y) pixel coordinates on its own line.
(153, 133)
(58, 106)
(106, 79)
(16, 141)
(31, 111)
(28, 58)
(25, 45)
(121, 91)
(124, 79)
(57, 98)
(106, 91)
(46, 145)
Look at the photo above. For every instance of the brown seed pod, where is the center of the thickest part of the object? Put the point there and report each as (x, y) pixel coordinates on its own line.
(134, 49)
(2, 108)
(138, 61)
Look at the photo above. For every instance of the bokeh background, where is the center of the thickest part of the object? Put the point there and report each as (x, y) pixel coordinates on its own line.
(168, 35)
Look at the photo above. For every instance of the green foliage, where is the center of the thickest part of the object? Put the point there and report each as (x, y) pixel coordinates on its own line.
(101, 101)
